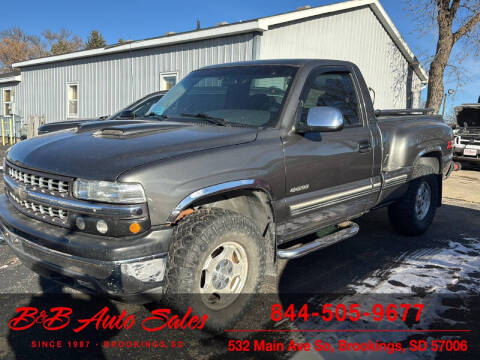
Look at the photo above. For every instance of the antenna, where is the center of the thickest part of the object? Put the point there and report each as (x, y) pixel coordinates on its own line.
(373, 91)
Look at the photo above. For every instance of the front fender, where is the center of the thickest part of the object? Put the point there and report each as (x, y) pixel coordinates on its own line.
(171, 185)
(209, 191)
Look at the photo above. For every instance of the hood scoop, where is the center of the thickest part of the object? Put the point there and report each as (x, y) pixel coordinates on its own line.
(101, 124)
(132, 130)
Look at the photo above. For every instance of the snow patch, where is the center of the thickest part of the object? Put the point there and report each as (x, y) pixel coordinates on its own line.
(427, 276)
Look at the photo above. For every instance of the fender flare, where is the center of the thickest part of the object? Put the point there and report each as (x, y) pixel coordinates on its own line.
(418, 161)
(202, 193)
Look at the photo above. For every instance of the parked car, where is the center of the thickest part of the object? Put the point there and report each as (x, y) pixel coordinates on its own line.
(467, 134)
(249, 157)
(135, 110)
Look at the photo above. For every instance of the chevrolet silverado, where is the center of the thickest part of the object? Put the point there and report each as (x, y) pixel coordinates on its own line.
(227, 172)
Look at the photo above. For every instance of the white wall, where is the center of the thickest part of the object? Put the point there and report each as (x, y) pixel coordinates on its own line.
(354, 35)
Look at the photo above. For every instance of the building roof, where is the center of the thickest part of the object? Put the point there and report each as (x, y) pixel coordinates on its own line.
(259, 25)
(12, 76)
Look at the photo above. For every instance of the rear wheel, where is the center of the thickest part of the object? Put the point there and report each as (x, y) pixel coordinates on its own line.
(413, 214)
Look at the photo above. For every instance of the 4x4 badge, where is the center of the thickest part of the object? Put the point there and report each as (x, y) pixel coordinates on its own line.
(300, 188)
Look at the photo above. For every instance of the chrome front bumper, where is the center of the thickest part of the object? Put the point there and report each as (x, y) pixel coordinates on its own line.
(134, 279)
(120, 272)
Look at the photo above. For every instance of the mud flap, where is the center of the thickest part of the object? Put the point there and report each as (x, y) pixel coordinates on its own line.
(440, 190)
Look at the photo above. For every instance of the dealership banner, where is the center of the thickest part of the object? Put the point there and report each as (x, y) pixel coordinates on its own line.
(302, 326)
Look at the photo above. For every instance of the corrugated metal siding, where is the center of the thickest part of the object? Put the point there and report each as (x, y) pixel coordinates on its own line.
(355, 36)
(108, 83)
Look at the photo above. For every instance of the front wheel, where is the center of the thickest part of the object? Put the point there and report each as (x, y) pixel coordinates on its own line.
(216, 262)
(414, 212)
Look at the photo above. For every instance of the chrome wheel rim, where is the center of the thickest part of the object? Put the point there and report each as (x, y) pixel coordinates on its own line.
(223, 275)
(422, 201)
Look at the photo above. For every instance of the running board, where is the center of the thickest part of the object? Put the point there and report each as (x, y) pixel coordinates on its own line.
(346, 230)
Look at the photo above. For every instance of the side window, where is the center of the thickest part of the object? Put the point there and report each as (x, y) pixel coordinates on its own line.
(7, 102)
(141, 109)
(72, 104)
(335, 89)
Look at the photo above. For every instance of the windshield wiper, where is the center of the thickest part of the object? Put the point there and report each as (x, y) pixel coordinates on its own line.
(155, 115)
(212, 119)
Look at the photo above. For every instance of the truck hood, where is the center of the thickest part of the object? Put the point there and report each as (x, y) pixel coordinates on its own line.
(468, 114)
(62, 125)
(105, 151)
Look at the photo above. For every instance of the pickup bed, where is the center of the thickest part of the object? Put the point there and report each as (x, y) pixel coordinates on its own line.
(231, 167)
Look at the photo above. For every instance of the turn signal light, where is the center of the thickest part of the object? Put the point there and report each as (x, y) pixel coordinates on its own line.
(135, 228)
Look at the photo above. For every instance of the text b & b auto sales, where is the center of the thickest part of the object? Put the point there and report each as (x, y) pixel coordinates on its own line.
(59, 318)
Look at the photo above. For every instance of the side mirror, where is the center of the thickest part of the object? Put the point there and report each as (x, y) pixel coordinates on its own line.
(323, 119)
(126, 114)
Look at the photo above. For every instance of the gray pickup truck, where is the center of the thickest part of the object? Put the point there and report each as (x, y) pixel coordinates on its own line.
(231, 168)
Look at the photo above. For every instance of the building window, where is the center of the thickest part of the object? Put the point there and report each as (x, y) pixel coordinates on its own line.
(168, 80)
(7, 102)
(72, 106)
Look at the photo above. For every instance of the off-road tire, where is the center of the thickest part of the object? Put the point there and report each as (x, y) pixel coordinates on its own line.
(193, 239)
(402, 213)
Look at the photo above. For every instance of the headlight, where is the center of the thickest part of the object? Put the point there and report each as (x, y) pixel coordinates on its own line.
(109, 192)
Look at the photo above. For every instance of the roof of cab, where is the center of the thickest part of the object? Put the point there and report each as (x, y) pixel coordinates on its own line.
(291, 62)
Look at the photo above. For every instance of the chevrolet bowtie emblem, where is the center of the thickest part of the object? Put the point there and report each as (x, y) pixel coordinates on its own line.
(22, 192)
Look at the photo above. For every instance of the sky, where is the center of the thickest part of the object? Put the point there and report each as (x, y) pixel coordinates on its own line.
(134, 20)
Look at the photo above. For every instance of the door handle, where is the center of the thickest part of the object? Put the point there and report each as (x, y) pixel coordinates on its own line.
(364, 147)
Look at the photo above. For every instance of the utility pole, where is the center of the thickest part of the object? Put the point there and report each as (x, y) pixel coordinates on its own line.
(449, 92)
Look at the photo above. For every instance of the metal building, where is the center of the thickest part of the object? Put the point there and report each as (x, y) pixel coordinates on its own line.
(98, 82)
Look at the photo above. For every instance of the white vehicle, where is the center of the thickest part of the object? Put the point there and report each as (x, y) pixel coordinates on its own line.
(467, 135)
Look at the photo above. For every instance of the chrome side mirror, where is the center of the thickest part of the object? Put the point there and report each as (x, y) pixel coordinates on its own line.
(324, 118)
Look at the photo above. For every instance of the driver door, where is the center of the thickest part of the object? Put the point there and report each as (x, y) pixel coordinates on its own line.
(328, 174)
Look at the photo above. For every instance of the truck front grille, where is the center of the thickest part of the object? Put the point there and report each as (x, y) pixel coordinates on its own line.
(48, 197)
(37, 181)
(23, 179)
(469, 141)
(39, 211)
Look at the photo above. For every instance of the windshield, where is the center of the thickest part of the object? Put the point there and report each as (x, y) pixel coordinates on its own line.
(245, 95)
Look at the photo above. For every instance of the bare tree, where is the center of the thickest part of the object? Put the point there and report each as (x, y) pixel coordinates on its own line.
(16, 46)
(63, 41)
(454, 22)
